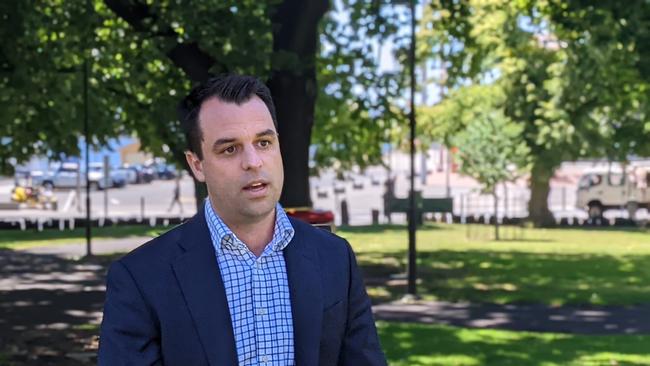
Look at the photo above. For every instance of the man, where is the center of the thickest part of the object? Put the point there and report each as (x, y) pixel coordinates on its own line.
(176, 199)
(240, 283)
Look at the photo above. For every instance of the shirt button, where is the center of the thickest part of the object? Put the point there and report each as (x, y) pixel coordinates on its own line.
(265, 359)
(261, 311)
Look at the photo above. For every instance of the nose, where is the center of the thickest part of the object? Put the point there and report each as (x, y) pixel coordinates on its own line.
(251, 159)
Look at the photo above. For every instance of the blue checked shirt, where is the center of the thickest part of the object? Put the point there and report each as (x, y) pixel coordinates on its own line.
(257, 290)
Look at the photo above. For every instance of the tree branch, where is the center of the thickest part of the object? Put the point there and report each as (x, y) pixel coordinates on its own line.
(186, 56)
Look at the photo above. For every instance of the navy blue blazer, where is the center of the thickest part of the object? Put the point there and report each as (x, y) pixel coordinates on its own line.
(166, 303)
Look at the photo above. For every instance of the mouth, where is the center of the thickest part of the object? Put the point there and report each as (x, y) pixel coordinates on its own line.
(256, 186)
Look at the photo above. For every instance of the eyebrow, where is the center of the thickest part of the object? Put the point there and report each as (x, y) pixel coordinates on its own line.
(268, 132)
(230, 140)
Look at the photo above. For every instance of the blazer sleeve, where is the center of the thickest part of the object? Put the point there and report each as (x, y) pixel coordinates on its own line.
(361, 345)
(129, 335)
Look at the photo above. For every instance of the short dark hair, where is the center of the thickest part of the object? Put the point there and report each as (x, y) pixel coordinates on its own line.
(229, 88)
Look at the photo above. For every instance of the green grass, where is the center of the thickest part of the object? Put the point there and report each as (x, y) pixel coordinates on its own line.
(419, 344)
(462, 263)
(14, 239)
(549, 266)
(407, 344)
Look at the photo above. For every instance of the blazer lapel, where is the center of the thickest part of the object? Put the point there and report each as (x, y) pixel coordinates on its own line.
(199, 277)
(306, 298)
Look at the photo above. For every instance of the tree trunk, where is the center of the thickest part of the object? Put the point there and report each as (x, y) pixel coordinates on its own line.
(293, 86)
(189, 57)
(292, 80)
(496, 213)
(538, 211)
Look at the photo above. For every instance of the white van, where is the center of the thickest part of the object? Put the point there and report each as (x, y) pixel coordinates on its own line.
(604, 189)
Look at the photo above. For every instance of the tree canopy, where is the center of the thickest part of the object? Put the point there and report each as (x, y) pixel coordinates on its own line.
(143, 57)
(571, 73)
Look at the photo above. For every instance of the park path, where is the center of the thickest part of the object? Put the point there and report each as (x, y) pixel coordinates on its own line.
(49, 297)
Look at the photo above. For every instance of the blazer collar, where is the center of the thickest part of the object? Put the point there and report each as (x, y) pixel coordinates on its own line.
(200, 281)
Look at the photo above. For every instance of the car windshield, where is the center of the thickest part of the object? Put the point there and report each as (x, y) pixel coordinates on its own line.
(589, 180)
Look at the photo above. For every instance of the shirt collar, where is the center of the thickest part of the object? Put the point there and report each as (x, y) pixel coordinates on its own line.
(224, 239)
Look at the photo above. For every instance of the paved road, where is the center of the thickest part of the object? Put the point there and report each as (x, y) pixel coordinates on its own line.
(121, 202)
(534, 318)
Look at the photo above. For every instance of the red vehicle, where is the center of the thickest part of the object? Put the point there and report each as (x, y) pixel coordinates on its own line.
(316, 217)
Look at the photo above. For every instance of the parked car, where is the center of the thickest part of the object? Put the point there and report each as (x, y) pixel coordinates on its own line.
(117, 178)
(316, 217)
(69, 174)
(130, 175)
(166, 171)
(142, 174)
(61, 177)
(601, 190)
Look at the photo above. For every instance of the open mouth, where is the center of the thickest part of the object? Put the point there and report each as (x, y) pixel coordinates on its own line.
(256, 187)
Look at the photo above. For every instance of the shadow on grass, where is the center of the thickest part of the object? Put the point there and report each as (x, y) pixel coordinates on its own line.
(512, 277)
(46, 303)
(416, 344)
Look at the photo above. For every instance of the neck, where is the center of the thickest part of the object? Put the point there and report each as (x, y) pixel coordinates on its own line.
(256, 234)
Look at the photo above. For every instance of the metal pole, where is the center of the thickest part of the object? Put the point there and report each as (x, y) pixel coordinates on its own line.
(505, 199)
(423, 153)
(448, 174)
(78, 192)
(443, 80)
(141, 208)
(412, 270)
(87, 140)
(107, 183)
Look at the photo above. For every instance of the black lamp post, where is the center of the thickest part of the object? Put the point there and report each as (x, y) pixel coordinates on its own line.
(87, 140)
(412, 220)
(411, 293)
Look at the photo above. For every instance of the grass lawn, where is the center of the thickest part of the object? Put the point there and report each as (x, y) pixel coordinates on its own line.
(408, 344)
(15, 239)
(550, 266)
(462, 263)
(556, 266)
(418, 344)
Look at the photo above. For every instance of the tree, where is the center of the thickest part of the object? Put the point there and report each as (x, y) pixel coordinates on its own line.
(564, 82)
(491, 146)
(492, 152)
(145, 56)
(292, 26)
(142, 58)
(357, 108)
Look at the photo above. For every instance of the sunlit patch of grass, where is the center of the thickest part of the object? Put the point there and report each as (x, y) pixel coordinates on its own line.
(421, 344)
(550, 266)
(14, 239)
(87, 326)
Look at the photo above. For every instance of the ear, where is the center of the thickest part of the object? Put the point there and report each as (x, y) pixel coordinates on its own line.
(196, 165)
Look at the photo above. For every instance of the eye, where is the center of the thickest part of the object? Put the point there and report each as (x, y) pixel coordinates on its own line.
(264, 143)
(230, 150)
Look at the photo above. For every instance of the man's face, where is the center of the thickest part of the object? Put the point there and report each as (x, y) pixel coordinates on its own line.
(241, 165)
